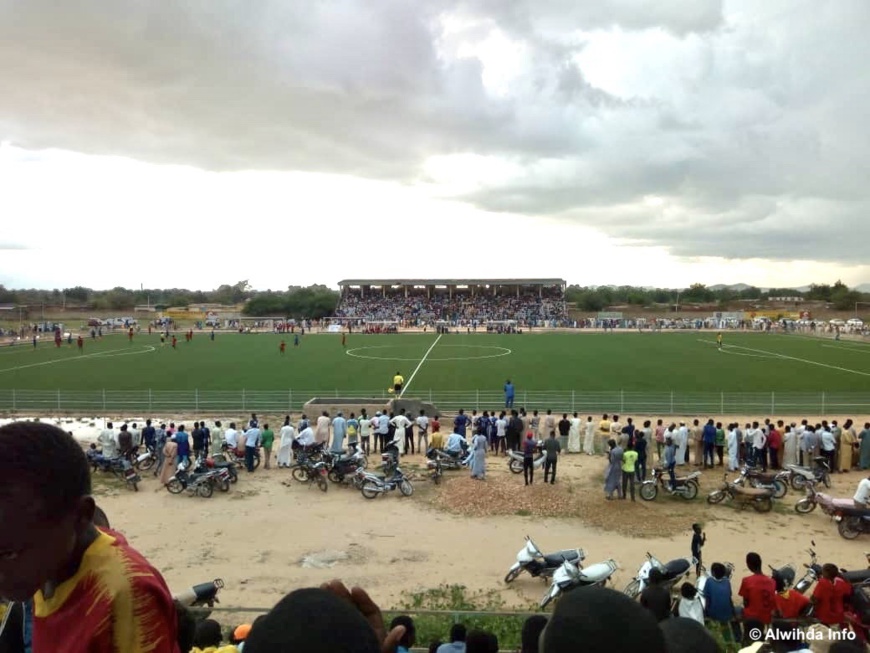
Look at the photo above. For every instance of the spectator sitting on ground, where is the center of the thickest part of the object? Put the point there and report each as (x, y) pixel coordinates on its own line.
(657, 600)
(685, 635)
(532, 628)
(410, 637)
(208, 638)
(457, 640)
(480, 641)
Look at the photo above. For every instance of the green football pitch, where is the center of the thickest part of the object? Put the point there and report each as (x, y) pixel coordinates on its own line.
(456, 369)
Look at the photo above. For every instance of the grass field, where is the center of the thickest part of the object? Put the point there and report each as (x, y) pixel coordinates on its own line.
(461, 366)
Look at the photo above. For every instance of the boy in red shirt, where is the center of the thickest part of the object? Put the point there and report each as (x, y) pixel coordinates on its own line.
(759, 595)
(91, 592)
(790, 604)
(829, 597)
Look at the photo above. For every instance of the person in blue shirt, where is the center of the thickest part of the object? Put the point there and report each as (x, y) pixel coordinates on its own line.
(508, 394)
(460, 423)
(454, 443)
(718, 600)
(709, 438)
(671, 461)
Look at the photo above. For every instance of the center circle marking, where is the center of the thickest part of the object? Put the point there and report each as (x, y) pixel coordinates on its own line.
(498, 353)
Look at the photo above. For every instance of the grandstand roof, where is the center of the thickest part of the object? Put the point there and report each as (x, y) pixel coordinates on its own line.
(451, 282)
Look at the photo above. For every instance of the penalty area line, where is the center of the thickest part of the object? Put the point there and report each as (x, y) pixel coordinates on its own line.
(419, 365)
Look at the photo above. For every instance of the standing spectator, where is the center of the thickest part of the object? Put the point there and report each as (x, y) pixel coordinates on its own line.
(253, 423)
(708, 438)
(829, 597)
(789, 446)
(252, 442)
(671, 462)
(733, 447)
(697, 439)
(774, 446)
(107, 442)
(339, 431)
(720, 443)
(437, 435)
(660, 439)
(321, 431)
(183, 442)
(478, 457)
(529, 447)
(640, 446)
(198, 441)
(848, 440)
(365, 433)
(550, 423)
(629, 465)
(285, 447)
(552, 447)
(513, 430)
(759, 446)
(864, 438)
(589, 437)
(699, 539)
(460, 423)
(759, 595)
(125, 442)
(206, 436)
(422, 432)
(574, 435)
(267, 440)
(829, 447)
(148, 435)
(509, 394)
(401, 423)
(719, 602)
(682, 442)
(564, 429)
(614, 470)
(352, 432)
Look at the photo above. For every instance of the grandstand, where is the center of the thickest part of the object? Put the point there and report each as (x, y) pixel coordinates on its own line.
(457, 302)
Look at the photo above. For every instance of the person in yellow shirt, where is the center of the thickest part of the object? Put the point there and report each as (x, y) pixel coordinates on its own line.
(629, 463)
(398, 382)
(719, 340)
(208, 638)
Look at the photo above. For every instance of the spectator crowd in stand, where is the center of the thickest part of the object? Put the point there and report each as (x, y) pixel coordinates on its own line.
(530, 308)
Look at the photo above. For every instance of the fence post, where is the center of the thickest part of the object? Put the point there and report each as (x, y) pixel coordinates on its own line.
(721, 403)
(58, 398)
(243, 399)
(672, 402)
(772, 403)
(196, 398)
(622, 401)
(430, 395)
(104, 400)
(823, 404)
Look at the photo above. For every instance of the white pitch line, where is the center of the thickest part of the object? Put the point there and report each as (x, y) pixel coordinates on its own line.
(800, 360)
(419, 365)
(104, 354)
(860, 350)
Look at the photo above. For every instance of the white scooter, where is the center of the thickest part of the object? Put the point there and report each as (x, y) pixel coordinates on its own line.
(539, 564)
(671, 573)
(570, 576)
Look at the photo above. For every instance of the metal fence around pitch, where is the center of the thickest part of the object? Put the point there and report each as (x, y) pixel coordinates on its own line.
(619, 401)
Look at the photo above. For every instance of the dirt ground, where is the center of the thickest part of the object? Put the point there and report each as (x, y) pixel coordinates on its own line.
(463, 531)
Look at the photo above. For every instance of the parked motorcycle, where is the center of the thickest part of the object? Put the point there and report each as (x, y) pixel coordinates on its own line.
(120, 466)
(375, 485)
(238, 456)
(227, 470)
(145, 461)
(447, 459)
(758, 498)
(342, 466)
(686, 486)
(515, 459)
(852, 522)
(571, 575)
(813, 571)
(775, 482)
(668, 574)
(539, 564)
(195, 483)
(437, 471)
(820, 472)
(311, 472)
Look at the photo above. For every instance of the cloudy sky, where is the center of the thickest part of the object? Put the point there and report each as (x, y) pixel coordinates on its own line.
(200, 142)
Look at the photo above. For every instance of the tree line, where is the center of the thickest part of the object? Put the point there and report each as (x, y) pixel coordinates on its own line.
(319, 301)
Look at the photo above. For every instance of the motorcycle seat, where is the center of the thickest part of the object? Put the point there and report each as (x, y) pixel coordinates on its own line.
(854, 512)
(556, 559)
(677, 567)
(684, 478)
(752, 491)
(856, 577)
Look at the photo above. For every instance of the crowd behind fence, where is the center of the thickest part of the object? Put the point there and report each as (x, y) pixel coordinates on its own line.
(559, 401)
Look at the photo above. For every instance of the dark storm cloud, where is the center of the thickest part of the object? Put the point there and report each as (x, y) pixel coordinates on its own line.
(750, 123)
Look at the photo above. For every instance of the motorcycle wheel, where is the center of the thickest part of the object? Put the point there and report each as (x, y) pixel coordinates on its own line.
(849, 528)
(717, 496)
(406, 488)
(798, 482)
(369, 489)
(174, 486)
(256, 461)
(436, 478)
(334, 476)
(804, 506)
(691, 490)
(205, 490)
(224, 486)
(779, 489)
(234, 478)
(299, 474)
(765, 504)
(632, 590)
(134, 485)
(649, 491)
(826, 479)
(515, 466)
(512, 575)
(146, 464)
(322, 484)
